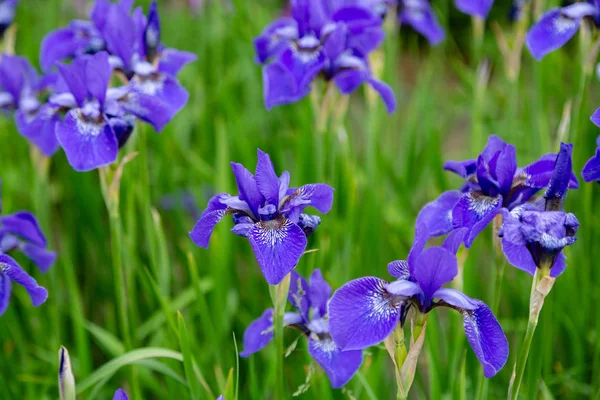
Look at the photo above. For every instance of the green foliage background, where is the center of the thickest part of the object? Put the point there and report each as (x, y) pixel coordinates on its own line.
(384, 168)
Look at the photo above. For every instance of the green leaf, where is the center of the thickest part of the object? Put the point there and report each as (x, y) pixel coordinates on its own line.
(188, 359)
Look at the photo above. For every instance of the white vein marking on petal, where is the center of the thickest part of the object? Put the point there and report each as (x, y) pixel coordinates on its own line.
(481, 205)
(563, 23)
(274, 232)
(149, 85)
(381, 308)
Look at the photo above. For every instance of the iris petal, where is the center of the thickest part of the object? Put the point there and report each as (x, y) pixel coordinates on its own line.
(339, 365)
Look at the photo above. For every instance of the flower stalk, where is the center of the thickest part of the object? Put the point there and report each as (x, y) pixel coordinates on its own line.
(279, 295)
(542, 284)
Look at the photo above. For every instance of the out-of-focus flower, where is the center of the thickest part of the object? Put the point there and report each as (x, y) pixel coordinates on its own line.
(492, 182)
(558, 25)
(120, 395)
(534, 235)
(8, 9)
(269, 213)
(419, 15)
(320, 39)
(591, 170)
(516, 10)
(310, 302)
(365, 311)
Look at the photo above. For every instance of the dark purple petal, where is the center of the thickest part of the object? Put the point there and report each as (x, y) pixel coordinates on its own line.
(494, 145)
(456, 299)
(479, 8)
(308, 223)
(172, 60)
(486, 338)
(97, 75)
(434, 267)
(41, 257)
(419, 243)
(247, 189)
(151, 37)
(362, 313)
(559, 182)
(336, 42)
(148, 108)
(164, 87)
(519, 256)
(437, 215)
(120, 395)
(280, 86)
(25, 225)
(485, 179)
(266, 179)
(462, 168)
(537, 174)
(203, 229)
(88, 144)
(278, 245)
(119, 34)
(74, 76)
(5, 289)
(339, 365)
(348, 80)
(9, 267)
(298, 294)
(319, 292)
(560, 264)
(258, 334)
(506, 166)
(420, 16)
(40, 128)
(399, 269)
(591, 170)
(16, 75)
(556, 27)
(475, 211)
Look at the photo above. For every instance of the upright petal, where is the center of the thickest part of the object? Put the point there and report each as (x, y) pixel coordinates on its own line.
(97, 75)
(475, 211)
(559, 182)
(88, 144)
(25, 225)
(120, 395)
(434, 267)
(74, 76)
(479, 8)
(399, 269)
(437, 215)
(319, 292)
(248, 191)
(278, 245)
(591, 169)
(9, 267)
(362, 313)
(267, 181)
(258, 334)
(152, 33)
(419, 243)
(119, 33)
(505, 169)
(455, 239)
(339, 365)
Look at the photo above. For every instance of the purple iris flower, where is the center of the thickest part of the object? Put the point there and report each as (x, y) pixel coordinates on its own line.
(269, 213)
(120, 395)
(558, 25)
(492, 182)
(365, 311)
(20, 232)
(21, 89)
(319, 38)
(8, 9)
(476, 8)
(534, 234)
(419, 15)
(591, 169)
(310, 301)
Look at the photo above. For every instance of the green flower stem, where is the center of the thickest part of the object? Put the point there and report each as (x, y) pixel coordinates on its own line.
(400, 354)
(279, 294)
(541, 286)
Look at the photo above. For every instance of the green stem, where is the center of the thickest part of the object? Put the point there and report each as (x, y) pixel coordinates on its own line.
(400, 354)
(279, 294)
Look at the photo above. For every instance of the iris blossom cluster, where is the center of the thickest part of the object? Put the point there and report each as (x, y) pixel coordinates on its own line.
(92, 120)
(319, 38)
(558, 25)
(269, 213)
(310, 301)
(20, 232)
(419, 15)
(591, 170)
(493, 182)
(365, 311)
(534, 234)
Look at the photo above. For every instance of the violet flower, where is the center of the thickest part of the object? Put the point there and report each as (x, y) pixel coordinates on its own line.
(419, 15)
(310, 301)
(269, 213)
(558, 25)
(365, 311)
(120, 395)
(534, 235)
(319, 39)
(21, 92)
(492, 182)
(591, 169)
(8, 9)
(20, 232)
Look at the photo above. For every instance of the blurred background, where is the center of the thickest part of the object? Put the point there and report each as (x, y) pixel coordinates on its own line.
(384, 168)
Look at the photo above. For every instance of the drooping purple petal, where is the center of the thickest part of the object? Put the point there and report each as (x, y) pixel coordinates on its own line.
(475, 211)
(386, 93)
(275, 38)
(258, 334)
(266, 179)
(555, 28)
(518, 256)
(41, 257)
(10, 268)
(278, 245)
(319, 292)
(203, 229)
(560, 264)
(280, 87)
(5, 289)
(434, 267)
(67, 42)
(40, 128)
(419, 15)
(339, 365)
(25, 225)
(591, 169)
(479, 8)
(464, 169)
(437, 215)
(88, 144)
(172, 60)
(486, 338)
(362, 313)
(148, 108)
(120, 395)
